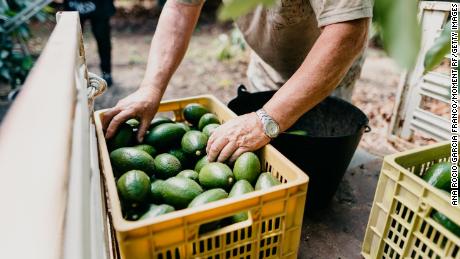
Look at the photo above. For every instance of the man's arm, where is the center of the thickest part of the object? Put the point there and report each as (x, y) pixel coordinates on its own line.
(330, 58)
(169, 44)
(328, 61)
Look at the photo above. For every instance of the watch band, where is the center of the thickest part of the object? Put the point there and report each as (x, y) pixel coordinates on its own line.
(266, 121)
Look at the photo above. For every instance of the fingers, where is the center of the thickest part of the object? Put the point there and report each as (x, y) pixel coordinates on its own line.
(145, 123)
(237, 153)
(215, 148)
(211, 141)
(108, 115)
(116, 121)
(227, 151)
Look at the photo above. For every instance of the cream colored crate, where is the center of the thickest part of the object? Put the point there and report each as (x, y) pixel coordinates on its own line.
(400, 225)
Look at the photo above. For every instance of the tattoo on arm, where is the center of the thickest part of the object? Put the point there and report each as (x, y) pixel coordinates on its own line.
(191, 2)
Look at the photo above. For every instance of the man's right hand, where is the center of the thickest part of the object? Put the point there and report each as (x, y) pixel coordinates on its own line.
(142, 105)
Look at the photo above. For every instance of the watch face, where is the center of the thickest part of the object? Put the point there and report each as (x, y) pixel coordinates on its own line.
(272, 129)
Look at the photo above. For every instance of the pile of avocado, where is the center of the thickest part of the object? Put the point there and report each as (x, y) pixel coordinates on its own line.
(170, 171)
(439, 176)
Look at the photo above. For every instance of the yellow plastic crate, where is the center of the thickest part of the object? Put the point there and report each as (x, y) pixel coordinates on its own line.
(400, 225)
(272, 230)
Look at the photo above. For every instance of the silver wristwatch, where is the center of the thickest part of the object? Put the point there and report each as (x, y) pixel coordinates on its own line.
(271, 127)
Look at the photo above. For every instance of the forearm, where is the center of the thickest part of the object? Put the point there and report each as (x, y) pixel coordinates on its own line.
(320, 73)
(169, 44)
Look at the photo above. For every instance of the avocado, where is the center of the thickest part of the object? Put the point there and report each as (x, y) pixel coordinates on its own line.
(446, 222)
(147, 148)
(239, 188)
(194, 143)
(206, 119)
(193, 112)
(189, 174)
(210, 128)
(157, 210)
(208, 196)
(438, 175)
(166, 166)
(247, 167)
(128, 158)
(216, 175)
(155, 191)
(165, 135)
(134, 186)
(184, 126)
(180, 191)
(133, 211)
(266, 181)
(123, 138)
(180, 154)
(159, 120)
(297, 132)
(202, 162)
(133, 123)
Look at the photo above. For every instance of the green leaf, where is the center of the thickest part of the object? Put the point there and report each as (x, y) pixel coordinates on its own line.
(440, 48)
(401, 33)
(41, 16)
(5, 74)
(4, 54)
(48, 9)
(27, 63)
(236, 8)
(23, 30)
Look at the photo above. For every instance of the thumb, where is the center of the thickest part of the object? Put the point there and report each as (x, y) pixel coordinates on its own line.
(145, 123)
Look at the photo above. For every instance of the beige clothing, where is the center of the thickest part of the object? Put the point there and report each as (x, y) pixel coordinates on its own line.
(281, 37)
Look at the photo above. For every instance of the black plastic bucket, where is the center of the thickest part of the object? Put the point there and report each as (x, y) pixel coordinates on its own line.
(333, 131)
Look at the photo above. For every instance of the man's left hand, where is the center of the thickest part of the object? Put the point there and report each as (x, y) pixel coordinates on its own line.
(242, 134)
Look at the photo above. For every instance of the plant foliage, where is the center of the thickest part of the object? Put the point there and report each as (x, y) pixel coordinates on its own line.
(15, 61)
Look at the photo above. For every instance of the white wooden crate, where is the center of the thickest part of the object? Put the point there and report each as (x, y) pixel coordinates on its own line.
(408, 115)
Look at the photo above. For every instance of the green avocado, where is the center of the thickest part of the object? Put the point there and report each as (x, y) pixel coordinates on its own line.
(123, 138)
(157, 210)
(202, 162)
(206, 119)
(164, 136)
(194, 143)
(266, 181)
(134, 186)
(193, 112)
(127, 158)
(147, 148)
(247, 167)
(155, 191)
(159, 120)
(438, 175)
(216, 175)
(183, 157)
(166, 166)
(208, 196)
(446, 222)
(239, 188)
(180, 191)
(189, 174)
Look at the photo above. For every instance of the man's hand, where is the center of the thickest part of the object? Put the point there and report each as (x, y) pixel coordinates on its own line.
(236, 136)
(142, 105)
